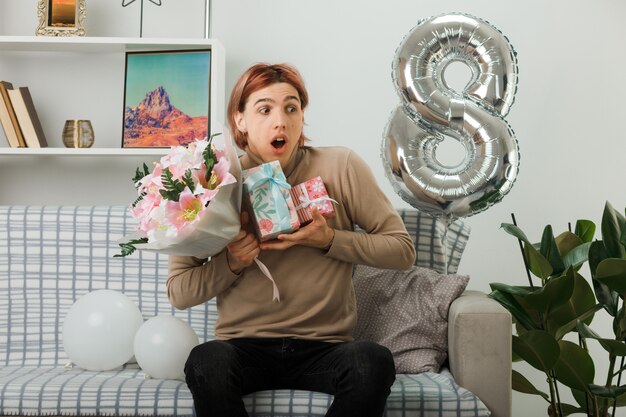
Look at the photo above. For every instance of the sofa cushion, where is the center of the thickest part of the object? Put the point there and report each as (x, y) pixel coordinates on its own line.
(407, 311)
(428, 235)
(28, 391)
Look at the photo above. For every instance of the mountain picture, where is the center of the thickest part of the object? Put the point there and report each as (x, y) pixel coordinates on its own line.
(166, 98)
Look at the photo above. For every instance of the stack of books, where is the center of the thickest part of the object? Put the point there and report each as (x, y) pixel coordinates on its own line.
(19, 119)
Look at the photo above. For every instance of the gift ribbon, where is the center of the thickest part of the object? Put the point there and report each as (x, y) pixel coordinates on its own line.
(268, 274)
(276, 181)
(306, 202)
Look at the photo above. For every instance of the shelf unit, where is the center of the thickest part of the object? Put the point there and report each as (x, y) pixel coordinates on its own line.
(104, 60)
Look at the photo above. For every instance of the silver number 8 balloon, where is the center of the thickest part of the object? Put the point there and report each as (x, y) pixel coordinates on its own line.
(431, 111)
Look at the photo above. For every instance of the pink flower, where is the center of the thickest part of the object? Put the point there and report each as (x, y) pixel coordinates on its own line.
(185, 210)
(266, 225)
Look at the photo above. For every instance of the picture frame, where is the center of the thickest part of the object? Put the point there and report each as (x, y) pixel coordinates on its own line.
(61, 17)
(166, 98)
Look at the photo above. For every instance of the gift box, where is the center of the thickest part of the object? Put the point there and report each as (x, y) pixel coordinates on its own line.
(312, 193)
(269, 201)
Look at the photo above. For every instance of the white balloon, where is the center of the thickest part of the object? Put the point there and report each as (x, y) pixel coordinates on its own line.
(162, 345)
(99, 329)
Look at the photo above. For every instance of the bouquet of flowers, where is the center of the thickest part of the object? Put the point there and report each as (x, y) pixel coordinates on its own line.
(190, 203)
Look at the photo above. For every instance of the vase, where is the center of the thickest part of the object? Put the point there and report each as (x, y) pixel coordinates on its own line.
(78, 134)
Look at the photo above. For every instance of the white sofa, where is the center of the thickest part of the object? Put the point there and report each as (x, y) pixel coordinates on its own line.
(50, 256)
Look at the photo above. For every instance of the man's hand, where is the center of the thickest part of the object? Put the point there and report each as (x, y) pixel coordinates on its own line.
(242, 250)
(316, 234)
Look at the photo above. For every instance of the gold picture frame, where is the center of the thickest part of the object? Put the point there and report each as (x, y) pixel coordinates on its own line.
(61, 17)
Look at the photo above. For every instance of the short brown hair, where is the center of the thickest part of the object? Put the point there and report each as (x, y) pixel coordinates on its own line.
(256, 77)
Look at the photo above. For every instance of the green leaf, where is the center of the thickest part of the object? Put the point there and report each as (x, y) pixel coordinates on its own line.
(521, 384)
(585, 230)
(520, 314)
(554, 293)
(128, 248)
(538, 348)
(582, 398)
(537, 263)
(574, 367)
(567, 241)
(550, 251)
(571, 325)
(613, 223)
(607, 392)
(510, 289)
(581, 301)
(172, 187)
(515, 231)
(609, 299)
(139, 174)
(577, 256)
(612, 273)
(569, 409)
(614, 347)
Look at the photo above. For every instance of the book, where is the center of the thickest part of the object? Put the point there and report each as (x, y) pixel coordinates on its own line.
(8, 119)
(27, 117)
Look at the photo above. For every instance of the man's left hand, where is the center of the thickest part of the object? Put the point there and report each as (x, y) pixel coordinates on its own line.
(316, 234)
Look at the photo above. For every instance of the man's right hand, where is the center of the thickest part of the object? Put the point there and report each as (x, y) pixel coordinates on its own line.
(242, 250)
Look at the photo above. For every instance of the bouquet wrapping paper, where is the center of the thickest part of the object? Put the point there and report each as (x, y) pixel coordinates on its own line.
(271, 206)
(312, 193)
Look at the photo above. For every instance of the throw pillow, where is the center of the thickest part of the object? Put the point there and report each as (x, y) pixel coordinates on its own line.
(429, 234)
(407, 311)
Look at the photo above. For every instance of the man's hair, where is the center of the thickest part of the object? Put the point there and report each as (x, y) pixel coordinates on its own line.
(256, 77)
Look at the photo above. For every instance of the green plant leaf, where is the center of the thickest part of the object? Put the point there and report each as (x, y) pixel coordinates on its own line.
(612, 273)
(571, 325)
(550, 251)
(515, 231)
(609, 299)
(607, 392)
(614, 347)
(567, 241)
(556, 292)
(538, 348)
(568, 409)
(574, 367)
(585, 230)
(521, 384)
(128, 248)
(520, 314)
(537, 263)
(510, 289)
(581, 301)
(613, 223)
(577, 256)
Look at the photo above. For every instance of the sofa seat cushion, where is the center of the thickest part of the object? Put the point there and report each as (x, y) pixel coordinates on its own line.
(27, 391)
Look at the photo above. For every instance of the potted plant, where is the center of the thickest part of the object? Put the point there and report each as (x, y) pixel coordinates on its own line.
(553, 313)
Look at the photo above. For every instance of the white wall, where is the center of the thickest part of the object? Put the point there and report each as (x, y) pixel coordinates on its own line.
(568, 114)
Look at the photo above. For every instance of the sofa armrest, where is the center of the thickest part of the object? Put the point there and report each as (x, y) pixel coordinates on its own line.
(479, 349)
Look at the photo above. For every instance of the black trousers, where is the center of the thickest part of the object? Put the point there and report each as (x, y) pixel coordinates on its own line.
(358, 374)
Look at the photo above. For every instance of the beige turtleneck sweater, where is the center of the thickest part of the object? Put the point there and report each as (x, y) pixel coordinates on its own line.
(317, 297)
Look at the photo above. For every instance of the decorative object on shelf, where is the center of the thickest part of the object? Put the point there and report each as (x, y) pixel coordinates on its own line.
(166, 98)
(61, 17)
(78, 134)
(129, 2)
(431, 112)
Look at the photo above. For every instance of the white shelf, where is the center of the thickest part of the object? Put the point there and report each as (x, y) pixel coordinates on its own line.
(85, 151)
(97, 45)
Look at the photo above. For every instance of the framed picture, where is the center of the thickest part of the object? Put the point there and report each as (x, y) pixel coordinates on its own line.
(166, 98)
(61, 17)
